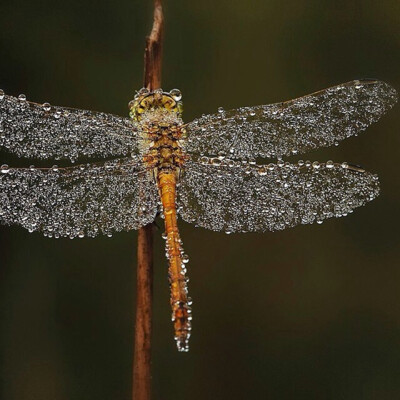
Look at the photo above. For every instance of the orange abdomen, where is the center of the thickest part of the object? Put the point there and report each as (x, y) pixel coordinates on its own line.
(181, 311)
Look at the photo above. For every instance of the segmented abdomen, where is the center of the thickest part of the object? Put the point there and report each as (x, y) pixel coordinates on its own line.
(181, 311)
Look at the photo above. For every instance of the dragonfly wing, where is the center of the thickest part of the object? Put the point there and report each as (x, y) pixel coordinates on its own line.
(43, 131)
(85, 200)
(231, 197)
(296, 126)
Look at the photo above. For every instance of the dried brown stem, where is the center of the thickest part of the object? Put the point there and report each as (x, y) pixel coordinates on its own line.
(143, 324)
(153, 51)
(142, 351)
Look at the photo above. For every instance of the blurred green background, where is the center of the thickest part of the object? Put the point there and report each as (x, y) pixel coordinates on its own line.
(308, 313)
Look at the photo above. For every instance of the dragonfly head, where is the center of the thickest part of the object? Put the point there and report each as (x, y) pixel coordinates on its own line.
(146, 100)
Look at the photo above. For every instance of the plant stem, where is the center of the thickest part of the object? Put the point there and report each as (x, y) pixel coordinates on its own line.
(144, 285)
(144, 292)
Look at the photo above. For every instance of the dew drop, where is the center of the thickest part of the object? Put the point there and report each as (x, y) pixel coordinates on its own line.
(4, 169)
(329, 164)
(204, 160)
(316, 165)
(262, 171)
(142, 92)
(176, 94)
(46, 107)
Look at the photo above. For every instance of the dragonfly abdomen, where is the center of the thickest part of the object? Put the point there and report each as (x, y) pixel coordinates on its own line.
(181, 311)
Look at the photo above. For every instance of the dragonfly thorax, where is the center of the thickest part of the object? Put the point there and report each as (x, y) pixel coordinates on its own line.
(162, 146)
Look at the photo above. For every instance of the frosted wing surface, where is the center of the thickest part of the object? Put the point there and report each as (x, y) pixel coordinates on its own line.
(296, 126)
(44, 131)
(235, 197)
(85, 200)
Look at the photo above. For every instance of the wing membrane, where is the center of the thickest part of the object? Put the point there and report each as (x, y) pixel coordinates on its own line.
(43, 131)
(233, 197)
(85, 200)
(296, 126)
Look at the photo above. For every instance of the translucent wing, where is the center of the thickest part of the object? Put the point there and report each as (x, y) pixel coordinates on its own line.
(296, 126)
(43, 131)
(233, 197)
(79, 201)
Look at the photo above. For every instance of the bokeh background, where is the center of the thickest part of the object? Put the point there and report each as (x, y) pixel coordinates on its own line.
(308, 313)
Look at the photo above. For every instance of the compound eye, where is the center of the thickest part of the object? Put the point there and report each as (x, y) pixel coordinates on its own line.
(167, 100)
(140, 109)
(176, 94)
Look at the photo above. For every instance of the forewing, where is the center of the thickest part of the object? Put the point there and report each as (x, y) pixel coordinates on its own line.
(296, 126)
(43, 131)
(233, 197)
(85, 200)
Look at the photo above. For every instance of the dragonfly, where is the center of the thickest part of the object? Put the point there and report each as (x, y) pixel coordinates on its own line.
(205, 171)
